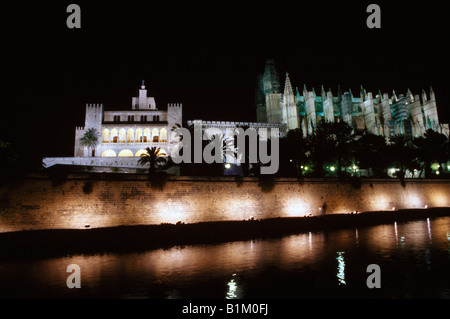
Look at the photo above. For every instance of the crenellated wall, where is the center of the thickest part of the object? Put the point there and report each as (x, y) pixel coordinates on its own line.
(40, 202)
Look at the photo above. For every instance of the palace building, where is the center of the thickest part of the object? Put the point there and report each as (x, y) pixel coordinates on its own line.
(125, 135)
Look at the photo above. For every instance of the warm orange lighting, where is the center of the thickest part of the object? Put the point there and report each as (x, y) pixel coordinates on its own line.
(171, 212)
(296, 208)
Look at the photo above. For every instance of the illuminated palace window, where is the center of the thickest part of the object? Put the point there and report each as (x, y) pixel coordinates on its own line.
(109, 153)
(114, 136)
(155, 134)
(105, 136)
(132, 136)
(122, 136)
(163, 136)
(126, 153)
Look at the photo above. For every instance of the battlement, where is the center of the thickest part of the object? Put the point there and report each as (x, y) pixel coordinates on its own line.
(175, 105)
(94, 107)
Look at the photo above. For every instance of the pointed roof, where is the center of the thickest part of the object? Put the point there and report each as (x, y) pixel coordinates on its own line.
(271, 79)
(288, 86)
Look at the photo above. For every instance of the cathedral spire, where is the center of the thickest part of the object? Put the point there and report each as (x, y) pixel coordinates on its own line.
(288, 86)
(432, 96)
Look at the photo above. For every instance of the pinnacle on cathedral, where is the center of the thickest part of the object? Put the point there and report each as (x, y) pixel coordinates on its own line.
(288, 86)
(271, 78)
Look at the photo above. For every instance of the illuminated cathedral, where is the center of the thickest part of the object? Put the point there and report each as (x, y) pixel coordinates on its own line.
(379, 114)
(125, 135)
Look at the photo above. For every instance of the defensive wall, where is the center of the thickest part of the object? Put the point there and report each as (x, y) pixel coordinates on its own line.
(107, 200)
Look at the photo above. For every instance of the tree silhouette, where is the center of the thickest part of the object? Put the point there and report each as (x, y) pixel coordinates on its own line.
(90, 139)
(401, 153)
(370, 152)
(432, 147)
(153, 157)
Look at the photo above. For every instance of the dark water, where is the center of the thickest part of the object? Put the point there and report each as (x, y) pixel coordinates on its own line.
(414, 259)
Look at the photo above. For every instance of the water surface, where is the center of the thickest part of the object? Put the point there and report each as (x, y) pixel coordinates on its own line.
(414, 258)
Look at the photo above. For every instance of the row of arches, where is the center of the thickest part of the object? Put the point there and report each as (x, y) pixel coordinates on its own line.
(134, 136)
(128, 153)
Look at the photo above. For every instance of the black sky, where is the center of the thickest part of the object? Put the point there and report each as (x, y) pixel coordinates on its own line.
(206, 56)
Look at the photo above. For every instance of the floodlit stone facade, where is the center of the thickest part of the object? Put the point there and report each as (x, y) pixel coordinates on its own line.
(124, 135)
(379, 114)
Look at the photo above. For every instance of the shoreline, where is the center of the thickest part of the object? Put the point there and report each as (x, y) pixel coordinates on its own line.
(123, 239)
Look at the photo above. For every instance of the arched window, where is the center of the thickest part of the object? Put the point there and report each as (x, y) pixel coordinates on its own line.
(147, 135)
(163, 136)
(109, 153)
(140, 153)
(114, 136)
(122, 136)
(162, 152)
(139, 136)
(126, 153)
(155, 135)
(130, 136)
(105, 135)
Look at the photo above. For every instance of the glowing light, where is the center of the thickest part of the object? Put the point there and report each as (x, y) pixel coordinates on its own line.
(126, 153)
(437, 172)
(227, 166)
(171, 212)
(396, 231)
(440, 199)
(232, 287)
(306, 168)
(341, 268)
(414, 201)
(435, 166)
(426, 206)
(140, 153)
(394, 209)
(429, 228)
(332, 168)
(109, 153)
(296, 208)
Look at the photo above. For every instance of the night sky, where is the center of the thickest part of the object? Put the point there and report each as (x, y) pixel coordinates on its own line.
(204, 55)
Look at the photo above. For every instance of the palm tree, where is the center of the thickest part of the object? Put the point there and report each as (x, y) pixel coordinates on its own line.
(401, 153)
(90, 139)
(370, 152)
(153, 157)
(432, 148)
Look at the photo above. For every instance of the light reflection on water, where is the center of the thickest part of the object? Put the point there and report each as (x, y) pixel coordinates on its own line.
(413, 256)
